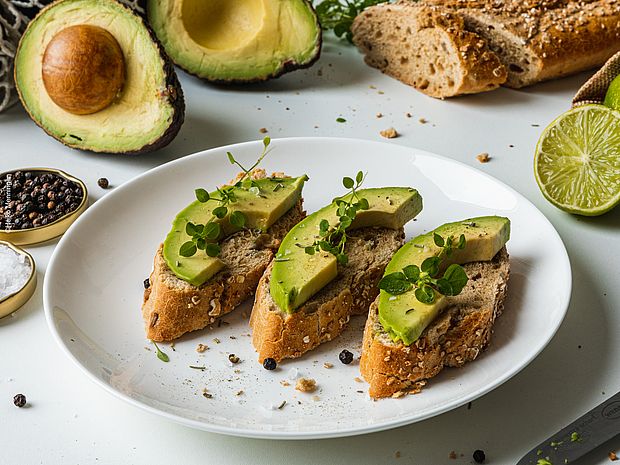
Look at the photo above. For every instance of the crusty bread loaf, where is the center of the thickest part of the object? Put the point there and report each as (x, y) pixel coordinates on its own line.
(455, 337)
(535, 40)
(173, 307)
(427, 49)
(279, 335)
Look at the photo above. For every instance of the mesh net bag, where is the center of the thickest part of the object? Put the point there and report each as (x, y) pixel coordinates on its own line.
(594, 90)
(12, 25)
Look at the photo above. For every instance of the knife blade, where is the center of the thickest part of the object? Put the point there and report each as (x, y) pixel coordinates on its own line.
(580, 437)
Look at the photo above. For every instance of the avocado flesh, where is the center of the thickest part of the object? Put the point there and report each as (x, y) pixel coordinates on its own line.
(237, 40)
(261, 213)
(149, 110)
(403, 316)
(296, 276)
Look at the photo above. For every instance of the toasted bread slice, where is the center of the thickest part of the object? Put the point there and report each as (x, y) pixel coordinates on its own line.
(454, 338)
(173, 307)
(280, 335)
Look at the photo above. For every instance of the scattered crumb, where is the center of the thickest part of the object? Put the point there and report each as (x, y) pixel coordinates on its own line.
(200, 348)
(397, 454)
(233, 337)
(306, 385)
(205, 393)
(172, 347)
(535, 125)
(285, 383)
(423, 120)
(216, 340)
(452, 455)
(328, 365)
(281, 406)
(379, 115)
(389, 133)
(380, 92)
(232, 358)
(147, 348)
(612, 456)
(357, 378)
(316, 398)
(263, 130)
(483, 157)
(319, 72)
(239, 393)
(408, 115)
(372, 87)
(511, 146)
(398, 394)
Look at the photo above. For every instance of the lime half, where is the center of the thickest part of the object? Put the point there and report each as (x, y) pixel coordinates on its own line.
(577, 162)
(612, 97)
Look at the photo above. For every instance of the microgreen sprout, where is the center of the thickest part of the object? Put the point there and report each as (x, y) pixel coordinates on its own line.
(426, 278)
(205, 236)
(333, 238)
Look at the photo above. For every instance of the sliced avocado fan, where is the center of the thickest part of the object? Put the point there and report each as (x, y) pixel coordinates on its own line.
(92, 74)
(296, 276)
(237, 41)
(261, 209)
(403, 316)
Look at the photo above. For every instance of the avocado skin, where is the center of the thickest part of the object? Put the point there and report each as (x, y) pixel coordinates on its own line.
(174, 95)
(408, 326)
(286, 67)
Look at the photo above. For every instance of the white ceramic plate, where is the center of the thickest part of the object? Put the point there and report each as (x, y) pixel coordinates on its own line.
(93, 293)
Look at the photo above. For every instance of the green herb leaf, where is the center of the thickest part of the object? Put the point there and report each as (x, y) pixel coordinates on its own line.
(412, 273)
(342, 259)
(456, 276)
(190, 228)
(266, 141)
(160, 355)
(188, 249)
(348, 182)
(425, 294)
(231, 159)
(202, 195)
(201, 244)
(444, 286)
(339, 14)
(359, 177)
(439, 241)
(431, 265)
(310, 250)
(395, 283)
(220, 212)
(323, 228)
(212, 231)
(212, 249)
(461, 244)
(341, 120)
(238, 219)
(363, 204)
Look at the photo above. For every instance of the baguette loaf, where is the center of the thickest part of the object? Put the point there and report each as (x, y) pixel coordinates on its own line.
(535, 40)
(454, 338)
(424, 47)
(280, 335)
(173, 307)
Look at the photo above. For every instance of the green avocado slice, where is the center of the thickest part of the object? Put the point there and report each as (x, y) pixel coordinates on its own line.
(403, 316)
(276, 197)
(297, 276)
(237, 41)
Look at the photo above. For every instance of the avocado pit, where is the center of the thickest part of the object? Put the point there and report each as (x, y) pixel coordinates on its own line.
(83, 69)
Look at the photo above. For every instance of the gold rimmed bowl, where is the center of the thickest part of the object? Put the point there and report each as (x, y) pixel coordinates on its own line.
(14, 301)
(54, 229)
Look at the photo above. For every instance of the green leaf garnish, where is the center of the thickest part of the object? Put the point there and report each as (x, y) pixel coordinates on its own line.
(341, 120)
(237, 219)
(188, 249)
(161, 355)
(339, 14)
(202, 195)
(425, 294)
(395, 283)
(212, 249)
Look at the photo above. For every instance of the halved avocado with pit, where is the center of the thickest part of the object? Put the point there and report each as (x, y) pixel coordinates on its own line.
(93, 75)
(237, 41)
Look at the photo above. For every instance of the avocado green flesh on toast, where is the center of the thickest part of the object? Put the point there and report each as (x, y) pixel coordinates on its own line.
(275, 197)
(297, 275)
(403, 316)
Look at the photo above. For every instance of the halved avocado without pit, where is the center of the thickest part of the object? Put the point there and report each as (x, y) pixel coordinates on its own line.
(237, 41)
(92, 74)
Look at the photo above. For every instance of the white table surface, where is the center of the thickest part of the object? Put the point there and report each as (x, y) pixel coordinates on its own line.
(72, 421)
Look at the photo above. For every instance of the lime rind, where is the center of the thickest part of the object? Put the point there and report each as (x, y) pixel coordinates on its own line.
(577, 161)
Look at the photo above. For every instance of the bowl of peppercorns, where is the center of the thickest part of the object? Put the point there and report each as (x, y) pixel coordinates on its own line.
(39, 204)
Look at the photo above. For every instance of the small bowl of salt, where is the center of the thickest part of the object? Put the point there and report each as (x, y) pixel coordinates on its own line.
(18, 278)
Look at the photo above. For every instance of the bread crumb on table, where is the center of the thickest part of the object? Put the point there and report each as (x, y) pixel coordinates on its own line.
(328, 365)
(379, 115)
(200, 348)
(452, 455)
(389, 133)
(358, 379)
(263, 130)
(423, 120)
(397, 454)
(306, 385)
(612, 456)
(408, 115)
(483, 157)
(285, 383)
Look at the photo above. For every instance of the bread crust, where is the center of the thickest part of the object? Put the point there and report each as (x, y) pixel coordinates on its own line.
(173, 307)
(384, 32)
(280, 335)
(454, 338)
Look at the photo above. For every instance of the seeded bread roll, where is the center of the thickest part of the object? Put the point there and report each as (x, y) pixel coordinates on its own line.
(173, 307)
(280, 335)
(454, 338)
(426, 48)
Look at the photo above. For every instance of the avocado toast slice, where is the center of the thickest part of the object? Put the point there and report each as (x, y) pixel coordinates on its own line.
(314, 285)
(188, 291)
(407, 341)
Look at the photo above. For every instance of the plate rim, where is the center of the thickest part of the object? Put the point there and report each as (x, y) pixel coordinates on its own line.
(256, 433)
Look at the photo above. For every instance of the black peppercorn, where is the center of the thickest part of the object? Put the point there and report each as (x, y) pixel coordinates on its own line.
(345, 357)
(269, 364)
(103, 183)
(147, 283)
(19, 400)
(479, 456)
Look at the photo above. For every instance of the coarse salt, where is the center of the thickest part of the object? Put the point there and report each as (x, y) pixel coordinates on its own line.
(15, 271)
